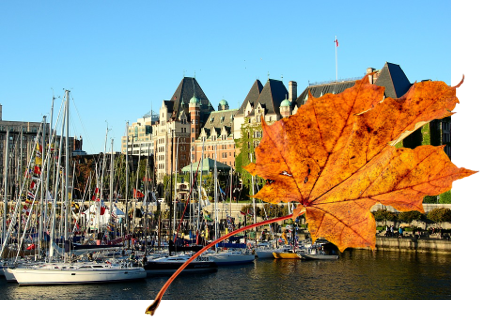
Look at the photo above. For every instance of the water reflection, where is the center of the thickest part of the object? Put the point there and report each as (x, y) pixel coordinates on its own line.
(357, 274)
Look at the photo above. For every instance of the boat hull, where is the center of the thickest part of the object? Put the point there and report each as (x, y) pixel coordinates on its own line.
(9, 276)
(165, 268)
(264, 254)
(76, 275)
(319, 257)
(286, 255)
(230, 258)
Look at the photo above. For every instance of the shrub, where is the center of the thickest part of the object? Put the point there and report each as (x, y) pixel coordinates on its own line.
(440, 215)
(383, 214)
(409, 216)
(445, 198)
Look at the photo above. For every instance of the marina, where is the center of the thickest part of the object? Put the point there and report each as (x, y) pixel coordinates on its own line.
(89, 245)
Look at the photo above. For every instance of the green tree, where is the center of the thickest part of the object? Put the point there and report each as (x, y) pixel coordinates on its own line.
(384, 215)
(250, 136)
(409, 216)
(440, 215)
(445, 198)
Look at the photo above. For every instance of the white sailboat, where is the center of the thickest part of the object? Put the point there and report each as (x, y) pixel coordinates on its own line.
(229, 257)
(168, 265)
(76, 273)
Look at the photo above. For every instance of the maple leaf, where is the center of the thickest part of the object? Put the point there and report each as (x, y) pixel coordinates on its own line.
(336, 158)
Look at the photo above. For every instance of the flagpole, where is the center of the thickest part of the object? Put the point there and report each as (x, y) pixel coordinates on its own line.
(336, 59)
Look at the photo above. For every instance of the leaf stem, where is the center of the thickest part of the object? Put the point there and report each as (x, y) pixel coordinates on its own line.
(151, 309)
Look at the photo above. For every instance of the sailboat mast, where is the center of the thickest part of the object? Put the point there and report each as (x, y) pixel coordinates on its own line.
(5, 187)
(42, 190)
(126, 182)
(111, 183)
(54, 204)
(67, 166)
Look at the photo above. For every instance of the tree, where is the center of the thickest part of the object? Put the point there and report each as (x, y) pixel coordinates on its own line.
(438, 215)
(409, 216)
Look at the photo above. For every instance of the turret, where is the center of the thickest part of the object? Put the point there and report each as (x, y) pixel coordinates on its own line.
(194, 109)
(285, 108)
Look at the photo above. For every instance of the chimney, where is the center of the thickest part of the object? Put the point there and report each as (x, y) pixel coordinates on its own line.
(370, 70)
(292, 91)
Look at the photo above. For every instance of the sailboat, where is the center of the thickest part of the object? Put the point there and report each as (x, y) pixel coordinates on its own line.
(76, 273)
(65, 272)
(169, 264)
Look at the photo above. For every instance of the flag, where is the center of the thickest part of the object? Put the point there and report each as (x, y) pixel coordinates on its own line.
(204, 198)
(30, 195)
(137, 194)
(206, 217)
(94, 197)
(102, 210)
(38, 156)
(222, 192)
(336, 42)
(33, 184)
(36, 170)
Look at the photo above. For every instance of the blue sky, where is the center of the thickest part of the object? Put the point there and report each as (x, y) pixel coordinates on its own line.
(122, 58)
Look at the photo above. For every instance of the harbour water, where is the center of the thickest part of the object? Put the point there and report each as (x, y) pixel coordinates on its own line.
(356, 275)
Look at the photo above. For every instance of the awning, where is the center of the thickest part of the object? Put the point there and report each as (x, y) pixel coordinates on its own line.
(207, 165)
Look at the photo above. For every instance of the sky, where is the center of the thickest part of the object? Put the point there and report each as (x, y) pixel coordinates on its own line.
(121, 59)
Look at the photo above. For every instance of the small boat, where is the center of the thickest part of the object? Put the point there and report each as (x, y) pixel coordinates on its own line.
(286, 252)
(306, 256)
(264, 250)
(170, 264)
(318, 252)
(76, 273)
(287, 255)
(230, 257)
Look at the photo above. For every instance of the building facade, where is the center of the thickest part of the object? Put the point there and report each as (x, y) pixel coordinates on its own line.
(180, 121)
(140, 136)
(22, 147)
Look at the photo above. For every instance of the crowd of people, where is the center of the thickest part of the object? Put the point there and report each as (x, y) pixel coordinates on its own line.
(431, 232)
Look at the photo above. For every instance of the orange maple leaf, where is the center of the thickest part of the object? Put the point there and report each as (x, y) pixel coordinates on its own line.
(336, 158)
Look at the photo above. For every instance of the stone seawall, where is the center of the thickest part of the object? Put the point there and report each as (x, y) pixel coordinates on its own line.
(411, 244)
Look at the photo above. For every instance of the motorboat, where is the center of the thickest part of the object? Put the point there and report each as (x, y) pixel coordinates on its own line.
(169, 264)
(76, 273)
(320, 256)
(229, 257)
(318, 252)
(265, 250)
(287, 252)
